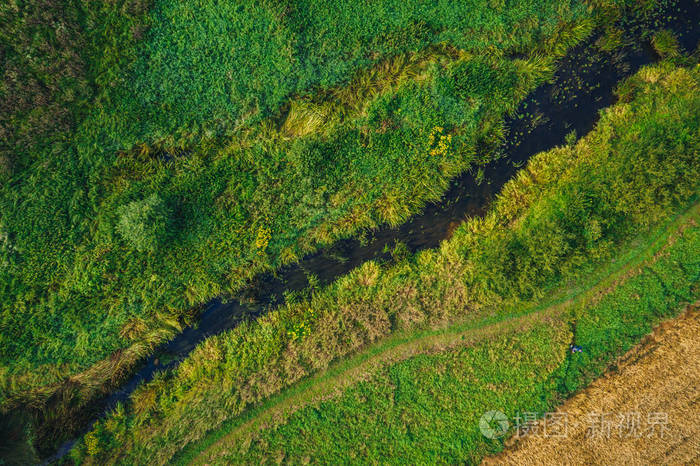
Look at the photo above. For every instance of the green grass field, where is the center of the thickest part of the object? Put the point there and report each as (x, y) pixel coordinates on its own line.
(177, 173)
(211, 65)
(156, 154)
(569, 212)
(426, 408)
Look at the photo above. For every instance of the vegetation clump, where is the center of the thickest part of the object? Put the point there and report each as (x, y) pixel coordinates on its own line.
(665, 44)
(144, 224)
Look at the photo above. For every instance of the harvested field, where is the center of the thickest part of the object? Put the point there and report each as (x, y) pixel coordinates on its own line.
(650, 401)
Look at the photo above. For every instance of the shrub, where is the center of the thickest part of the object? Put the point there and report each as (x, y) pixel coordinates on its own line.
(144, 224)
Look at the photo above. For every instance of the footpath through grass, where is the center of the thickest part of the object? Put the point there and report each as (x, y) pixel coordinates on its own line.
(427, 407)
(569, 211)
(416, 385)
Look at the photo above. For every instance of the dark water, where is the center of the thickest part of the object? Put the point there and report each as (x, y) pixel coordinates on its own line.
(583, 85)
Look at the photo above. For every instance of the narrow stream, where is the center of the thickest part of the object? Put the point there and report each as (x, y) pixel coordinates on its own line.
(583, 85)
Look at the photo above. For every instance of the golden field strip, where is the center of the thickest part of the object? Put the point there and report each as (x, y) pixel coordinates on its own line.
(659, 378)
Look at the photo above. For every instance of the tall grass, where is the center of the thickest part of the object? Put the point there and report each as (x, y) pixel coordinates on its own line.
(569, 209)
(354, 156)
(250, 57)
(427, 408)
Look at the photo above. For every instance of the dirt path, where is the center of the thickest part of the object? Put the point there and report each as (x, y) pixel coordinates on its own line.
(652, 405)
(361, 368)
(400, 347)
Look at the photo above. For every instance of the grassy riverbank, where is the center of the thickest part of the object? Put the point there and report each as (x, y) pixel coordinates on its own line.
(571, 210)
(424, 403)
(135, 212)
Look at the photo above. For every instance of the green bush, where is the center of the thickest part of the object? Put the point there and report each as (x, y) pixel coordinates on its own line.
(144, 224)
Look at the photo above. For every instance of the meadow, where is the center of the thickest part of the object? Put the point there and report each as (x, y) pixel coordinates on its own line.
(157, 154)
(568, 214)
(171, 174)
(427, 408)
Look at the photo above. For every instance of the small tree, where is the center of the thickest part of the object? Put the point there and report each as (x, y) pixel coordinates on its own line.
(144, 224)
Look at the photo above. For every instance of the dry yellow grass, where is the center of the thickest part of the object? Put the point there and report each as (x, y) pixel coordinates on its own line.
(660, 375)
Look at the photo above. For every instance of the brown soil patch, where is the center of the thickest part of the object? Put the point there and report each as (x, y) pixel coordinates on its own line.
(659, 378)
